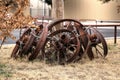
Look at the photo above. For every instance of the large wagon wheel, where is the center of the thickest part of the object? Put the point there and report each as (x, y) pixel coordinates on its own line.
(72, 25)
(61, 46)
(76, 27)
(69, 24)
(39, 44)
(97, 43)
(20, 43)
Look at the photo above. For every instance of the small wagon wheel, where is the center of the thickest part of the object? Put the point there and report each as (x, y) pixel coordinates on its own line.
(97, 43)
(61, 46)
(28, 45)
(20, 43)
(39, 44)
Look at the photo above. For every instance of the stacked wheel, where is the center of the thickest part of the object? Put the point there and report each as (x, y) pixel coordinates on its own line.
(61, 46)
(62, 41)
(21, 43)
(97, 44)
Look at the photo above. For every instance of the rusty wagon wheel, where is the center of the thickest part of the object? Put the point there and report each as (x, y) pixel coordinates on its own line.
(97, 43)
(69, 24)
(20, 43)
(61, 46)
(73, 25)
(39, 44)
(31, 43)
(28, 45)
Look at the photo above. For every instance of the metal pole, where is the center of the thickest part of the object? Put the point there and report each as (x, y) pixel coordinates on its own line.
(43, 10)
(37, 9)
(43, 7)
(115, 34)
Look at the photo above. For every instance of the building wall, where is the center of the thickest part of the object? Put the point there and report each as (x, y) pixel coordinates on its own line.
(39, 9)
(91, 9)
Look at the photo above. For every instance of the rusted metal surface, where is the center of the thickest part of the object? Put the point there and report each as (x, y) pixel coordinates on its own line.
(114, 24)
(28, 45)
(115, 34)
(63, 45)
(20, 42)
(97, 43)
(62, 41)
(73, 25)
(40, 43)
(64, 24)
(28, 41)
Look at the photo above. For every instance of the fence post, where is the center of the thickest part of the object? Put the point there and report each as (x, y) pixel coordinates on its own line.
(115, 34)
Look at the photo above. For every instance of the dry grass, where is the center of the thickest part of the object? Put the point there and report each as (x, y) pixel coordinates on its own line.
(98, 69)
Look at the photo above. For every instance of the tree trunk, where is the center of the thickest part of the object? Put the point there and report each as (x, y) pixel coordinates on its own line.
(57, 9)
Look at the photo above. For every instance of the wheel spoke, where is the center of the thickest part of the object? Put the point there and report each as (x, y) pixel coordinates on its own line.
(98, 51)
(100, 46)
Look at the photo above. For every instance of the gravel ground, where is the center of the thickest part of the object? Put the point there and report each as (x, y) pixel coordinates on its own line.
(97, 69)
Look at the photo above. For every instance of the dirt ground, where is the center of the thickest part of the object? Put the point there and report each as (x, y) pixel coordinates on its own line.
(97, 69)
